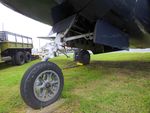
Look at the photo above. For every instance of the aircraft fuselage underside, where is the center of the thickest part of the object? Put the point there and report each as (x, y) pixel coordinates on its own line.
(112, 23)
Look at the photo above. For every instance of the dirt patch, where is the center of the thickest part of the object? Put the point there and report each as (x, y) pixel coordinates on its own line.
(49, 109)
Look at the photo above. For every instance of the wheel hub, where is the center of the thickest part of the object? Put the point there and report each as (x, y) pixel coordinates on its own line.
(46, 85)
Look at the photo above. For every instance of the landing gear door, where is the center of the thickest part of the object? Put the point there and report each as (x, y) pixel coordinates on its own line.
(63, 25)
(108, 35)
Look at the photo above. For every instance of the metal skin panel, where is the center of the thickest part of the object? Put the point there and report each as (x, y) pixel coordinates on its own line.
(142, 13)
(96, 9)
(108, 35)
(39, 10)
(126, 10)
(128, 16)
(63, 25)
(61, 12)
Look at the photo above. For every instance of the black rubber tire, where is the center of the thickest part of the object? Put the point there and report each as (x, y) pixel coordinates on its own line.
(13, 60)
(76, 54)
(27, 83)
(55, 54)
(19, 58)
(83, 57)
(27, 57)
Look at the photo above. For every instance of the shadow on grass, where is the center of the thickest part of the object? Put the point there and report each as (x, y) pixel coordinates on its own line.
(5, 66)
(130, 65)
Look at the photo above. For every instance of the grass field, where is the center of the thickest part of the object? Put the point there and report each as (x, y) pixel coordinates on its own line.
(112, 83)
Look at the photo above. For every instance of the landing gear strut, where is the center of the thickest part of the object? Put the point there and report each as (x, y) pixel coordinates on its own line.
(43, 83)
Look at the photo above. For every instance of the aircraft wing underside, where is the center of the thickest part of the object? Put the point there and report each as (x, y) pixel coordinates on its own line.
(97, 25)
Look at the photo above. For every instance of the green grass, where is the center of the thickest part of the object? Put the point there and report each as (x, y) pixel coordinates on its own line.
(112, 83)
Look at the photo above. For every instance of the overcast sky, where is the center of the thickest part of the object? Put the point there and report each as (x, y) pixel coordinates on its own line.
(17, 23)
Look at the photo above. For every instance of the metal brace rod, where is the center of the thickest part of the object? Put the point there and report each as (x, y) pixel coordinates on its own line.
(77, 37)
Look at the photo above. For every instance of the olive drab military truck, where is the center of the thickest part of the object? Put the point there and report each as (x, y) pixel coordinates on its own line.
(15, 48)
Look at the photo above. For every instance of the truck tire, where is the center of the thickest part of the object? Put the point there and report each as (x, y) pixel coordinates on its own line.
(19, 58)
(27, 57)
(83, 57)
(42, 85)
(13, 60)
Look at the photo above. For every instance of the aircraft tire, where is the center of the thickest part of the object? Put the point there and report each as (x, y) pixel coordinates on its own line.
(76, 53)
(38, 89)
(19, 58)
(84, 57)
(27, 57)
